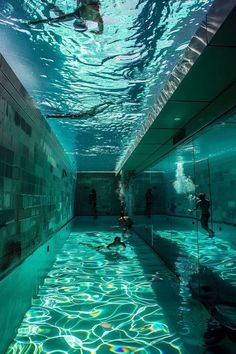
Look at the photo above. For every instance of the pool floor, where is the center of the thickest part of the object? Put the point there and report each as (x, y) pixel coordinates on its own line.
(110, 301)
(214, 253)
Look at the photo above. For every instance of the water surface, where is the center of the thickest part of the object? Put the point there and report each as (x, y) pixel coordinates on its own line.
(66, 71)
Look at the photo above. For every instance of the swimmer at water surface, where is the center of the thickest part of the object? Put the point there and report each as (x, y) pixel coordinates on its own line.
(116, 243)
(99, 108)
(87, 10)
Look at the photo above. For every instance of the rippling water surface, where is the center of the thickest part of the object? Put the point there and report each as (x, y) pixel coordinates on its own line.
(108, 302)
(67, 71)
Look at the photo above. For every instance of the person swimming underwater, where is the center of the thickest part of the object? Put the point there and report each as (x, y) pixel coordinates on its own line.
(115, 244)
(99, 108)
(87, 10)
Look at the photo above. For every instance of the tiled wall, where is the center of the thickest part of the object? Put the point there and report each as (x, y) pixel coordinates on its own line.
(36, 178)
(141, 184)
(135, 189)
(106, 186)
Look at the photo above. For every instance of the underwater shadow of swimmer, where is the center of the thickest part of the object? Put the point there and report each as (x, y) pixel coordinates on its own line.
(91, 234)
(112, 256)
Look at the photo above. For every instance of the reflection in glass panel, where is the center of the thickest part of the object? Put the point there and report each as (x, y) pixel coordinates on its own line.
(195, 234)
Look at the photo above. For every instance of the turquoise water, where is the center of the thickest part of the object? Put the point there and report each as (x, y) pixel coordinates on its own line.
(216, 254)
(66, 71)
(110, 302)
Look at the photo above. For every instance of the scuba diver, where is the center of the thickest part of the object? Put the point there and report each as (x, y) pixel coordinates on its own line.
(87, 10)
(99, 108)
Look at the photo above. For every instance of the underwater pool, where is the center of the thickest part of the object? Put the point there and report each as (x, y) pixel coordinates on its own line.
(110, 302)
(215, 253)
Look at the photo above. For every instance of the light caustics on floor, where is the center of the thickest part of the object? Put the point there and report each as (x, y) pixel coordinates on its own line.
(98, 302)
(216, 254)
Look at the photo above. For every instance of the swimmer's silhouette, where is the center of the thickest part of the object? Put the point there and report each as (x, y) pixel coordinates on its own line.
(204, 204)
(99, 108)
(115, 244)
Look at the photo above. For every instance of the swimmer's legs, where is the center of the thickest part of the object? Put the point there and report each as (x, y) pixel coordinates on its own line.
(204, 223)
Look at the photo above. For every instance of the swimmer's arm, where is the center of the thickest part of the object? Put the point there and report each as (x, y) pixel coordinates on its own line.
(58, 115)
(36, 22)
(68, 115)
(91, 246)
(84, 244)
(82, 114)
(196, 208)
(110, 245)
(198, 204)
(65, 17)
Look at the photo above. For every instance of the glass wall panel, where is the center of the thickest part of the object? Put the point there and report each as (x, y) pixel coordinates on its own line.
(143, 223)
(192, 217)
(215, 173)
